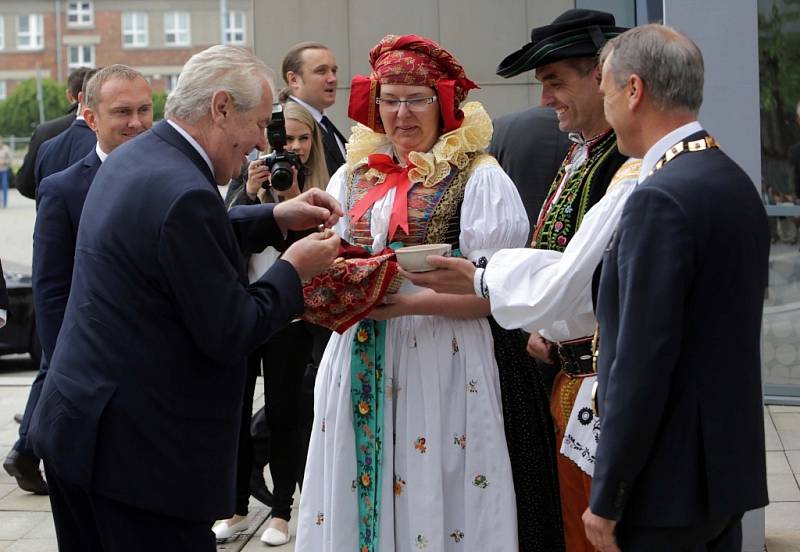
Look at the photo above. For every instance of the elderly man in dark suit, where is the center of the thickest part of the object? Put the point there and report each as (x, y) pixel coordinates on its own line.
(118, 106)
(25, 179)
(139, 415)
(3, 299)
(68, 147)
(681, 451)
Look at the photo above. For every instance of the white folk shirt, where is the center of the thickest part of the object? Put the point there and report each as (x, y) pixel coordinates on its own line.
(550, 292)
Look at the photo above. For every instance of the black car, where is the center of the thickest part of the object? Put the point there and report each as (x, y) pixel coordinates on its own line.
(19, 333)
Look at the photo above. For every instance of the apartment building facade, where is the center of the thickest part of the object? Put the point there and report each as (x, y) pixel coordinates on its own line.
(52, 37)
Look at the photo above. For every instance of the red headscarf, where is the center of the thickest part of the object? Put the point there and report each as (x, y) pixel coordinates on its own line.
(413, 60)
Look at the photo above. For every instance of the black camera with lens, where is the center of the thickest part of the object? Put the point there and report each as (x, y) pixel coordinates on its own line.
(280, 161)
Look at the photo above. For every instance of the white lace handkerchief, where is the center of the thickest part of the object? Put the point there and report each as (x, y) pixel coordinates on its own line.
(583, 430)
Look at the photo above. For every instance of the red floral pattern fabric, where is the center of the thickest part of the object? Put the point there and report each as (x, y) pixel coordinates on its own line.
(349, 289)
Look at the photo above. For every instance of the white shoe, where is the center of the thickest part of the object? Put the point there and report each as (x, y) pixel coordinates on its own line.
(274, 537)
(224, 531)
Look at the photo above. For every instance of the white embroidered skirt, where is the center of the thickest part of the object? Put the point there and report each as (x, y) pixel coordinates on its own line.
(446, 479)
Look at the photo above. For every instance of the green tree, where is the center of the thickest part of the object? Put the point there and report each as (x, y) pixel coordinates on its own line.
(19, 112)
(779, 70)
(159, 99)
(779, 78)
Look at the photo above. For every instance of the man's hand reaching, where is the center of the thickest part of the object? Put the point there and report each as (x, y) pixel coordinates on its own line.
(308, 210)
(313, 254)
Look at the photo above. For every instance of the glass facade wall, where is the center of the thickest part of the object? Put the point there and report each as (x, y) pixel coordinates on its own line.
(779, 74)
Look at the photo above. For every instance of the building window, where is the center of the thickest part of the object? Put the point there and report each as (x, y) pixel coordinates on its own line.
(2, 90)
(176, 29)
(80, 14)
(81, 56)
(2, 32)
(234, 27)
(29, 32)
(134, 29)
(170, 82)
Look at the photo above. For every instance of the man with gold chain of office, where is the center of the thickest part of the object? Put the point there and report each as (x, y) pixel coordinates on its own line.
(679, 306)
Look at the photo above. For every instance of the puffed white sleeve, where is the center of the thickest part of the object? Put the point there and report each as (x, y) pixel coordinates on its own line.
(539, 290)
(337, 187)
(492, 214)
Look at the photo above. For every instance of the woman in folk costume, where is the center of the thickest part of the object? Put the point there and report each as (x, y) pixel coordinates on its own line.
(408, 449)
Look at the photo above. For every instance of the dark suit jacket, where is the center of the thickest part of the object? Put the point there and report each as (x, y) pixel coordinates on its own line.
(26, 184)
(530, 148)
(69, 147)
(60, 202)
(3, 290)
(680, 307)
(143, 399)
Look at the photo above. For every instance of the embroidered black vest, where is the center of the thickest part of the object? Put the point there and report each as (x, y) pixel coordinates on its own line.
(585, 187)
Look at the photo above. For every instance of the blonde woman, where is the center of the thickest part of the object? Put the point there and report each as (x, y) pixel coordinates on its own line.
(303, 138)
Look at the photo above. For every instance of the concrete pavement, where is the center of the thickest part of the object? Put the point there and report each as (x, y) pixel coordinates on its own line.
(26, 524)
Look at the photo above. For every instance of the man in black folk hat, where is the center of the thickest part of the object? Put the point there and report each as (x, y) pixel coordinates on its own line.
(564, 56)
(681, 451)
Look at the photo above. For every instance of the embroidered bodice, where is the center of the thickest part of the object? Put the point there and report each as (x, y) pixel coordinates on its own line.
(433, 212)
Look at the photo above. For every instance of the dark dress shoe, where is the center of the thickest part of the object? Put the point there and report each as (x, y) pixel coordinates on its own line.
(258, 489)
(25, 468)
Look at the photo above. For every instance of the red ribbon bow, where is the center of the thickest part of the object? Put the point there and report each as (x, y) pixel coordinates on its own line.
(396, 177)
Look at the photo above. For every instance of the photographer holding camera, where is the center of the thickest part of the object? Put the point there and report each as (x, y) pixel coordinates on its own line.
(297, 160)
(295, 164)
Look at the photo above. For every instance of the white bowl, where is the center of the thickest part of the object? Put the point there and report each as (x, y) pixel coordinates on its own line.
(412, 258)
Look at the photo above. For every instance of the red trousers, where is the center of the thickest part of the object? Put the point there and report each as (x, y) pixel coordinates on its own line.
(574, 484)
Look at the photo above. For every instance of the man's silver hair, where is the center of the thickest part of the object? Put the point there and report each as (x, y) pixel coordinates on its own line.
(230, 69)
(91, 90)
(668, 62)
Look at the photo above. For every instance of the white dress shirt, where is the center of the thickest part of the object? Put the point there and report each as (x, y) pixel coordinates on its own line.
(550, 292)
(100, 153)
(195, 144)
